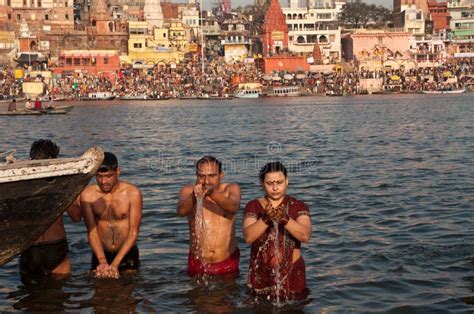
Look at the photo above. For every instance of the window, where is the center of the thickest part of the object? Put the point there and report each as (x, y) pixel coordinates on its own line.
(68, 61)
(9, 2)
(32, 3)
(39, 3)
(66, 4)
(9, 16)
(67, 16)
(137, 45)
(24, 3)
(46, 17)
(77, 61)
(106, 60)
(18, 17)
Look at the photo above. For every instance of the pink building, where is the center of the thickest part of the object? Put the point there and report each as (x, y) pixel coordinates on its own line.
(379, 45)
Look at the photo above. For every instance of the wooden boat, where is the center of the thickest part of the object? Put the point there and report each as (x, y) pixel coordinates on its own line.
(34, 193)
(454, 91)
(57, 110)
(21, 113)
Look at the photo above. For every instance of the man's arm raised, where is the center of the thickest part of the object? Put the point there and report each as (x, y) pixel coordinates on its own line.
(186, 200)
(231, 203)
(136, 202)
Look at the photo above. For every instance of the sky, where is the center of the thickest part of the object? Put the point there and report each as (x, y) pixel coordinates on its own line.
(236, 3)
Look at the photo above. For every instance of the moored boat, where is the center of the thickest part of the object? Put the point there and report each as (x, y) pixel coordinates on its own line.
(34, 193)
(453, 91)
(285, 91)
(57, 110)
(247, 93)
(99, 96)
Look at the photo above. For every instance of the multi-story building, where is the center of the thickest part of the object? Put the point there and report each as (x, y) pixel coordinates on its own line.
(316, 24)
(413, 21)
(462, 29)
(235, 39)
(428, 52)
(41, 15)
(401, 5)
(167, 45)
(439, 15)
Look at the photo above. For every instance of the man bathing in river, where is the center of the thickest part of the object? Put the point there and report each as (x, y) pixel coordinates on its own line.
(213, 248)
(49, 255)
(112, 212)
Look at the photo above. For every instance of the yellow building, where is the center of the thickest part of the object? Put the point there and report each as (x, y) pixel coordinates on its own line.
(167, 46)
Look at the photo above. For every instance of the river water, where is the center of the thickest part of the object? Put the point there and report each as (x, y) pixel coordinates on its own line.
(389, 181)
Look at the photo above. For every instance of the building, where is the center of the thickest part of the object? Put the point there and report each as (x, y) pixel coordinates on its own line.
(41, 15)
(428, 52)
(401, 5)
(308, 26)
(165, 46)
(96, 62)
(439, 15)
(413, 21)
(235, 39)
(274, 30)
(377, 50)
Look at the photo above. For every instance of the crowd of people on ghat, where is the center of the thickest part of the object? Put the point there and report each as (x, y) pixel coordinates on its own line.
(218, 78)
(275, 225)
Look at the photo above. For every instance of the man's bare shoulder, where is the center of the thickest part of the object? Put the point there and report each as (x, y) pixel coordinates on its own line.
(188, 188)
(89, 192)
(130, 188)
(231, 187)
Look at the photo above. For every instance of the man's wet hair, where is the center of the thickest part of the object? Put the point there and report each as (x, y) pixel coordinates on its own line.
(110, 163)
(274, 166)
(209, 159)
(44, 149)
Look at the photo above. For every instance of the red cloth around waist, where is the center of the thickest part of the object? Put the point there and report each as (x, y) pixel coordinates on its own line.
(227, 266)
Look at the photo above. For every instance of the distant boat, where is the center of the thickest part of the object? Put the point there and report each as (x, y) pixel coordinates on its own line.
(34, 193)
(21, 113)
(134, 97)
(285, 91)
(99, 96)
(247, 93)
(454, 91)
(57, 110)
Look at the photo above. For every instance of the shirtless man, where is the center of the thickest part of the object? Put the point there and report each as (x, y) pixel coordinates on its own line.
(49, 255)
(213, 247)
(112, 212)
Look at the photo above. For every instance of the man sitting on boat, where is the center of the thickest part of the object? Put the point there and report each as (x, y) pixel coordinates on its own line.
(112, 210)
(49, 255)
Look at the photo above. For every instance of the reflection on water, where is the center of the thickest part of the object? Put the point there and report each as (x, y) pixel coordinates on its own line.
(388, 180)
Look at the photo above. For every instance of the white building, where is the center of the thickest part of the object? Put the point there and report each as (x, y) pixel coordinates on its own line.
(316, 23)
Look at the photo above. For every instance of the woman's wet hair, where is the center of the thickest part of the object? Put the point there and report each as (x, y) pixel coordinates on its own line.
(110, 163)
(274, 166)
(209, 159)
(44, 149)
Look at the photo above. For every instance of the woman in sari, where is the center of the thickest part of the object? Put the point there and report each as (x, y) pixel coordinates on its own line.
(275, 225)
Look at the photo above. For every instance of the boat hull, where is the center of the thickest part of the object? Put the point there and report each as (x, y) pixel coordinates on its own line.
(34, 194)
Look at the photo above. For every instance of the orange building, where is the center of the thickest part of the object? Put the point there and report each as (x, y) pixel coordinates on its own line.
(283, 63)
(274, 30)
(98, 62)
(439, 15)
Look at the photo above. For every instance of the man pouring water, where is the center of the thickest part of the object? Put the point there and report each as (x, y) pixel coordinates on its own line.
(211, 208)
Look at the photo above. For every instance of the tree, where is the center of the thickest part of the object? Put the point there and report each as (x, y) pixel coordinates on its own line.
(357, 14)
